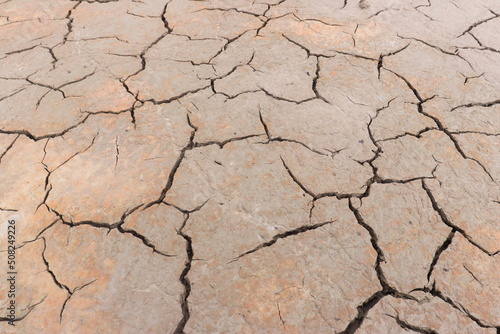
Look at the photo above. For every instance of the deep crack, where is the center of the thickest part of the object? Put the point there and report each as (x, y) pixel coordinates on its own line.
(184, 279)
(286, 234)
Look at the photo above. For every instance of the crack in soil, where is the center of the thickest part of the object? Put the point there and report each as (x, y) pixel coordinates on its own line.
(413, 328)
(449, 223)
(436, 293)
(61, 285)
(363, 310)
(29, 307)
(117, 225)
(284, 235)
(439, 251)
(263, 15)
(436, 120)
(184, 279)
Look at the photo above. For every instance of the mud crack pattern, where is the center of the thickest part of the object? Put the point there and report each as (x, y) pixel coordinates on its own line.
(252, 166)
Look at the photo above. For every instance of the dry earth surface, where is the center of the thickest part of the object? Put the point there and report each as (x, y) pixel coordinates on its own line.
(251, 166)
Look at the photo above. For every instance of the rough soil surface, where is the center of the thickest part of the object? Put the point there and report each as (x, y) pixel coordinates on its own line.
(251, 166)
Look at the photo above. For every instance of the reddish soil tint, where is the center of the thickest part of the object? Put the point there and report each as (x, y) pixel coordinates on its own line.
(249, 166)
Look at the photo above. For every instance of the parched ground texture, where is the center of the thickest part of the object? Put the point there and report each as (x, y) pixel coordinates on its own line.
(251, 166)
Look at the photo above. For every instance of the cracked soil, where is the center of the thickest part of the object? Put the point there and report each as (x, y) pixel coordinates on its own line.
(251, 166)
